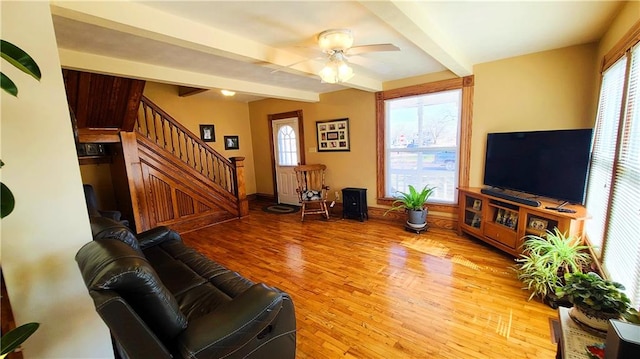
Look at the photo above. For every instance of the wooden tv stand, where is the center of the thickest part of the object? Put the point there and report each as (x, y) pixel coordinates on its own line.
(504, 223)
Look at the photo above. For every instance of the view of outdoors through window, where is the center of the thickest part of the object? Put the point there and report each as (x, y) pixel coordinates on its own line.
(287, 146)
(422, 137)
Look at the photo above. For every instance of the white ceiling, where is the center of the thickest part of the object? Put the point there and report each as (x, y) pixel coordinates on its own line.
(237, 45)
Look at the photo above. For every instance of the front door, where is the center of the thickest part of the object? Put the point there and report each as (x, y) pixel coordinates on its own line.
(286, 149)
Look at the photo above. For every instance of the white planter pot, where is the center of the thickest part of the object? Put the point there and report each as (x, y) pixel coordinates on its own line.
(597, 321)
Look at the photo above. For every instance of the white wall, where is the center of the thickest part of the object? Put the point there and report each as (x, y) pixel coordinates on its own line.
(50, 223)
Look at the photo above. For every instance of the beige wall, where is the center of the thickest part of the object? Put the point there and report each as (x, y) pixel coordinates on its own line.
(356, 168)
(547, 90)
(50, 222)
(417, 80)
(628, 16)
(230, 118)
(542, 91)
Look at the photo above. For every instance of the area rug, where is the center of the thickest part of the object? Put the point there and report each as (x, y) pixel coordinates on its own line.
(281, 208)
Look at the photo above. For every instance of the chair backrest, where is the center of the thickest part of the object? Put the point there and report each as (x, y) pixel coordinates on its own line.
(310, 178)
(91, 200)
(111, 265)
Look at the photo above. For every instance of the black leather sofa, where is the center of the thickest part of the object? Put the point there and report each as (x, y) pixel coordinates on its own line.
(163, 299)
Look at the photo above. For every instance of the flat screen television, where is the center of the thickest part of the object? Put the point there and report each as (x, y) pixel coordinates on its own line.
(550, 164)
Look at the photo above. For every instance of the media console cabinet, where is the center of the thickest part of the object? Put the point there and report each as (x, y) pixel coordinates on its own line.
(504, 223)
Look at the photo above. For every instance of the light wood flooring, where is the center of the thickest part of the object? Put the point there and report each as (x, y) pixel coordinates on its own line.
(373, 290)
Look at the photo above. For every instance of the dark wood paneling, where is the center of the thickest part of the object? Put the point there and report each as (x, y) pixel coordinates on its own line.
(103, 101)
(173, 193)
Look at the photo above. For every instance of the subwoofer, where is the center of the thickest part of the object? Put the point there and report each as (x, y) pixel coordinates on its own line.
(623, 340)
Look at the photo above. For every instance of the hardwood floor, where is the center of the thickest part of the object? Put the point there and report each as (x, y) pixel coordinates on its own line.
(373, 290)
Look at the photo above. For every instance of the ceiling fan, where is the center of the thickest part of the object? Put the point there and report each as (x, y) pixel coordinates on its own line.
(337, 44)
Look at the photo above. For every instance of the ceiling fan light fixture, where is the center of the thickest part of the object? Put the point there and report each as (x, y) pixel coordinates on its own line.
(335, 40)
(336, 70)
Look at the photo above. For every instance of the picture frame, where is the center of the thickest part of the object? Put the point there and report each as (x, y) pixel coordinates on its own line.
(477, 204)
(538, 223)
(207, 133)
(333, 135)
(475, 222)
(231, 143)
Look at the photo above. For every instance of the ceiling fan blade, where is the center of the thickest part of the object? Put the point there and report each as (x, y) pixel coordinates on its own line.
(281, 68)
(357, 50)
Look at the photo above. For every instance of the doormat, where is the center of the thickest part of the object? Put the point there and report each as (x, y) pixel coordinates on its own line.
(281, 208)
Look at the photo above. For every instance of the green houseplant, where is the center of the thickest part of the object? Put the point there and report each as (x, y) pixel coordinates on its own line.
(595, 300)
(25, 63)
(414, 203)
(545, 260)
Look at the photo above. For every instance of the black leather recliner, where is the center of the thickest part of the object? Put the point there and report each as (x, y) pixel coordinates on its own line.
(92, 206)
(163, 299)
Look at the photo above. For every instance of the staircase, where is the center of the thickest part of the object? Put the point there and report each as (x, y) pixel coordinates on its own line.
(175, 179)
(162, 174)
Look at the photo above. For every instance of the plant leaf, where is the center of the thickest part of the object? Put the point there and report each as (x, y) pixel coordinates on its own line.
(7, 201)
(20, 59)
(13, 338)
(8, 85)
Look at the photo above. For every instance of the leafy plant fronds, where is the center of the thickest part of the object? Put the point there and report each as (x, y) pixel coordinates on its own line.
(593, 292)
(19, 59)
(544, 260)
(13, 338)
(412, 200)
(8, 85)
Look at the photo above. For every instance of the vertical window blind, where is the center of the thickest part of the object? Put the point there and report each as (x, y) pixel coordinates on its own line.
(603, 152)
(622, 246)
(613, 192)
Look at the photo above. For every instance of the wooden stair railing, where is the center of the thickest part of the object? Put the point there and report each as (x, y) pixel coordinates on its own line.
(182, 182)
(166, 132)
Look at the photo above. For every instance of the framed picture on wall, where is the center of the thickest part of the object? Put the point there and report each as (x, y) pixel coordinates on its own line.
(333, 135)
(231, 143)
(207, 133)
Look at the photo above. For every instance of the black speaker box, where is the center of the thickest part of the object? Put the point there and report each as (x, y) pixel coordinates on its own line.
(623, 340)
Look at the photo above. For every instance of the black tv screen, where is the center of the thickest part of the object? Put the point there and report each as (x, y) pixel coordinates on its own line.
(550, 164)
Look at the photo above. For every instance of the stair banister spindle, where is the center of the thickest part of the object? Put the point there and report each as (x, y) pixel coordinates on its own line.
(164, 135)
(146, 120)
(173, 144)
(200, 150)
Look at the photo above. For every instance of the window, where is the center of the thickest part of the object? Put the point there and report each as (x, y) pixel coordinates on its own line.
(287, 146)
(603, 152)
(613, 190)
(424, 141)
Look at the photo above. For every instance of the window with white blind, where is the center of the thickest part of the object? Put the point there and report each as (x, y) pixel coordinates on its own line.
(604, 151)
(613, 192)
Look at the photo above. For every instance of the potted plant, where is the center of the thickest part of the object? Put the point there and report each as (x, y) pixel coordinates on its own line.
(17, 57)
(595, 300)
(545, 260)
(414, 203)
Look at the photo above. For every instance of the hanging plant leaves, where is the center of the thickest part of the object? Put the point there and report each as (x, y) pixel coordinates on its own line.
(20, 59)
(13, 338)
(8, 85)
(7, 201)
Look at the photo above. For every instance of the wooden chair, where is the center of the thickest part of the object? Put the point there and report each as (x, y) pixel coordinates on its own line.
(312, 190)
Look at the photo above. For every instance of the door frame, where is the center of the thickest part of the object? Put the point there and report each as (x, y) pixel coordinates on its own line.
(281, 116)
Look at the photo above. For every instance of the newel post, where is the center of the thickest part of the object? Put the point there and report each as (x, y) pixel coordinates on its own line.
(239, 183)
